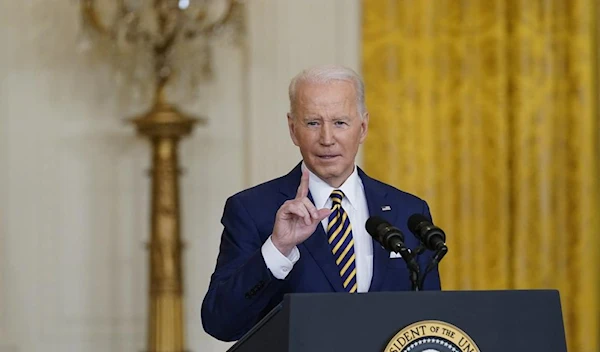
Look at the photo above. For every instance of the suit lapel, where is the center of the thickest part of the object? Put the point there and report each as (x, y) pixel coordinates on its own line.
(316, 244)
(375, 195)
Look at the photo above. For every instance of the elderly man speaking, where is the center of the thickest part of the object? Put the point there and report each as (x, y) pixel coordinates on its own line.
(305, 231)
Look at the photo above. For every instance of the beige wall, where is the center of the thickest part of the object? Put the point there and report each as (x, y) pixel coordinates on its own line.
(73, 190)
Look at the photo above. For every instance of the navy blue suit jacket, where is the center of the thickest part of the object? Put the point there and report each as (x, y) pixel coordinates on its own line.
(243, 290)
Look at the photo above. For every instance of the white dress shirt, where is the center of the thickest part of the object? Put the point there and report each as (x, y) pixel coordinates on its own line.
(355, 204)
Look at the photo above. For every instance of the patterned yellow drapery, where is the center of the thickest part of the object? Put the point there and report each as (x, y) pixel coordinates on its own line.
(488, 109)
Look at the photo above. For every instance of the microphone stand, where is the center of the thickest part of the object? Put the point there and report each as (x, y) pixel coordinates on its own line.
(414, 280)
(411, 263)
(435, 260)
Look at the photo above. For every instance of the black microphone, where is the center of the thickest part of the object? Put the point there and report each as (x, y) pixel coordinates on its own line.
(430, 235)
(390, 237)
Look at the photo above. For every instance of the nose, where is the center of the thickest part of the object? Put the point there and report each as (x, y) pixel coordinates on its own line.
(326, 135)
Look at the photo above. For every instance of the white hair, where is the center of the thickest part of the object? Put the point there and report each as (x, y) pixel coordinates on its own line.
(326, 74)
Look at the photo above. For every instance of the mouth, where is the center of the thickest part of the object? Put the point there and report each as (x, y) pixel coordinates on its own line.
(328, 156)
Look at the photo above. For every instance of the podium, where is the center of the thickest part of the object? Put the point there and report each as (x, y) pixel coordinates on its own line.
(432, 321)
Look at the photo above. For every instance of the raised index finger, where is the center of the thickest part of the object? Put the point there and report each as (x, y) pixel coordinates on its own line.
(303, 188)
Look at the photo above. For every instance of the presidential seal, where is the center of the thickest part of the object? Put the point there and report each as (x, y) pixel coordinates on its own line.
(431, 336)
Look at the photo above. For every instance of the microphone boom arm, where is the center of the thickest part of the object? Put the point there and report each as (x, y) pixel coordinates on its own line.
(411, 264)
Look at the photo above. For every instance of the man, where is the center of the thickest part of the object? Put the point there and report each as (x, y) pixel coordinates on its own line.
(305, 231)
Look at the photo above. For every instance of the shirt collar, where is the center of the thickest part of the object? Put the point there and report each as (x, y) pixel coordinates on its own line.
(320, 190)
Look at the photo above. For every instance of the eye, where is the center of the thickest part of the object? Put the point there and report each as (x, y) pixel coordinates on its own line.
(312, 123)
(341, 123)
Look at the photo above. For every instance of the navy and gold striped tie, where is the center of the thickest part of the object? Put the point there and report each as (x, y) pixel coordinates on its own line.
(339, 233)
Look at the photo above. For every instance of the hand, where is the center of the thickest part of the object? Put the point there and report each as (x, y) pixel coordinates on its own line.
(296, 219)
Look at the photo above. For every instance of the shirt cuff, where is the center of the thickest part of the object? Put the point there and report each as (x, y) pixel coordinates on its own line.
(279, 264)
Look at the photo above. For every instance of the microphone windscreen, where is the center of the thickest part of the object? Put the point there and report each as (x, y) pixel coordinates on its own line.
(373, 223)
(414, 221)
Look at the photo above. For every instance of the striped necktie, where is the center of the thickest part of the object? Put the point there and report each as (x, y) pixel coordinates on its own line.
(339, 234)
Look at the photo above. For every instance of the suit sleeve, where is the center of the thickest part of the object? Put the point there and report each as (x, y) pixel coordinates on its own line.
(241, 286)
(432, 281)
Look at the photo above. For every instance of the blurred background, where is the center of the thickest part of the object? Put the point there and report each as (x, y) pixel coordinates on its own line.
(488, 109)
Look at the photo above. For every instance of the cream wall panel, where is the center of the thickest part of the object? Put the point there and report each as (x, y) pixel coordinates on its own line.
(73, 185)
(290, 36)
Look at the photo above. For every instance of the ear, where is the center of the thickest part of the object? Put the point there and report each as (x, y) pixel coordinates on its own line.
(364, 127)
(292, 128)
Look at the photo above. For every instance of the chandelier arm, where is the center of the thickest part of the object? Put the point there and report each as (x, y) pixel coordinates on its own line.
(226, 17)
(90, 15)
(122, 7)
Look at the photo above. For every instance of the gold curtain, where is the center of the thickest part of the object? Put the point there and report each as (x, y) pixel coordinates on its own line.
(488, 110)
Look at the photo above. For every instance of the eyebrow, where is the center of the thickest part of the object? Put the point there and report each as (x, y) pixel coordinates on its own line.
(315, 117)
(311, 118)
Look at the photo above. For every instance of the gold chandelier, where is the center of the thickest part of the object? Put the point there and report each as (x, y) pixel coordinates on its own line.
(160, 44)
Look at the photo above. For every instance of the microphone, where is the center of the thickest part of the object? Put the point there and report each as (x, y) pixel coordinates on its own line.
(430, 235)
(390, 237)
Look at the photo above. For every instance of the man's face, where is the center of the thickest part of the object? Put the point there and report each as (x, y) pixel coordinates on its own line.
(328, 128)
